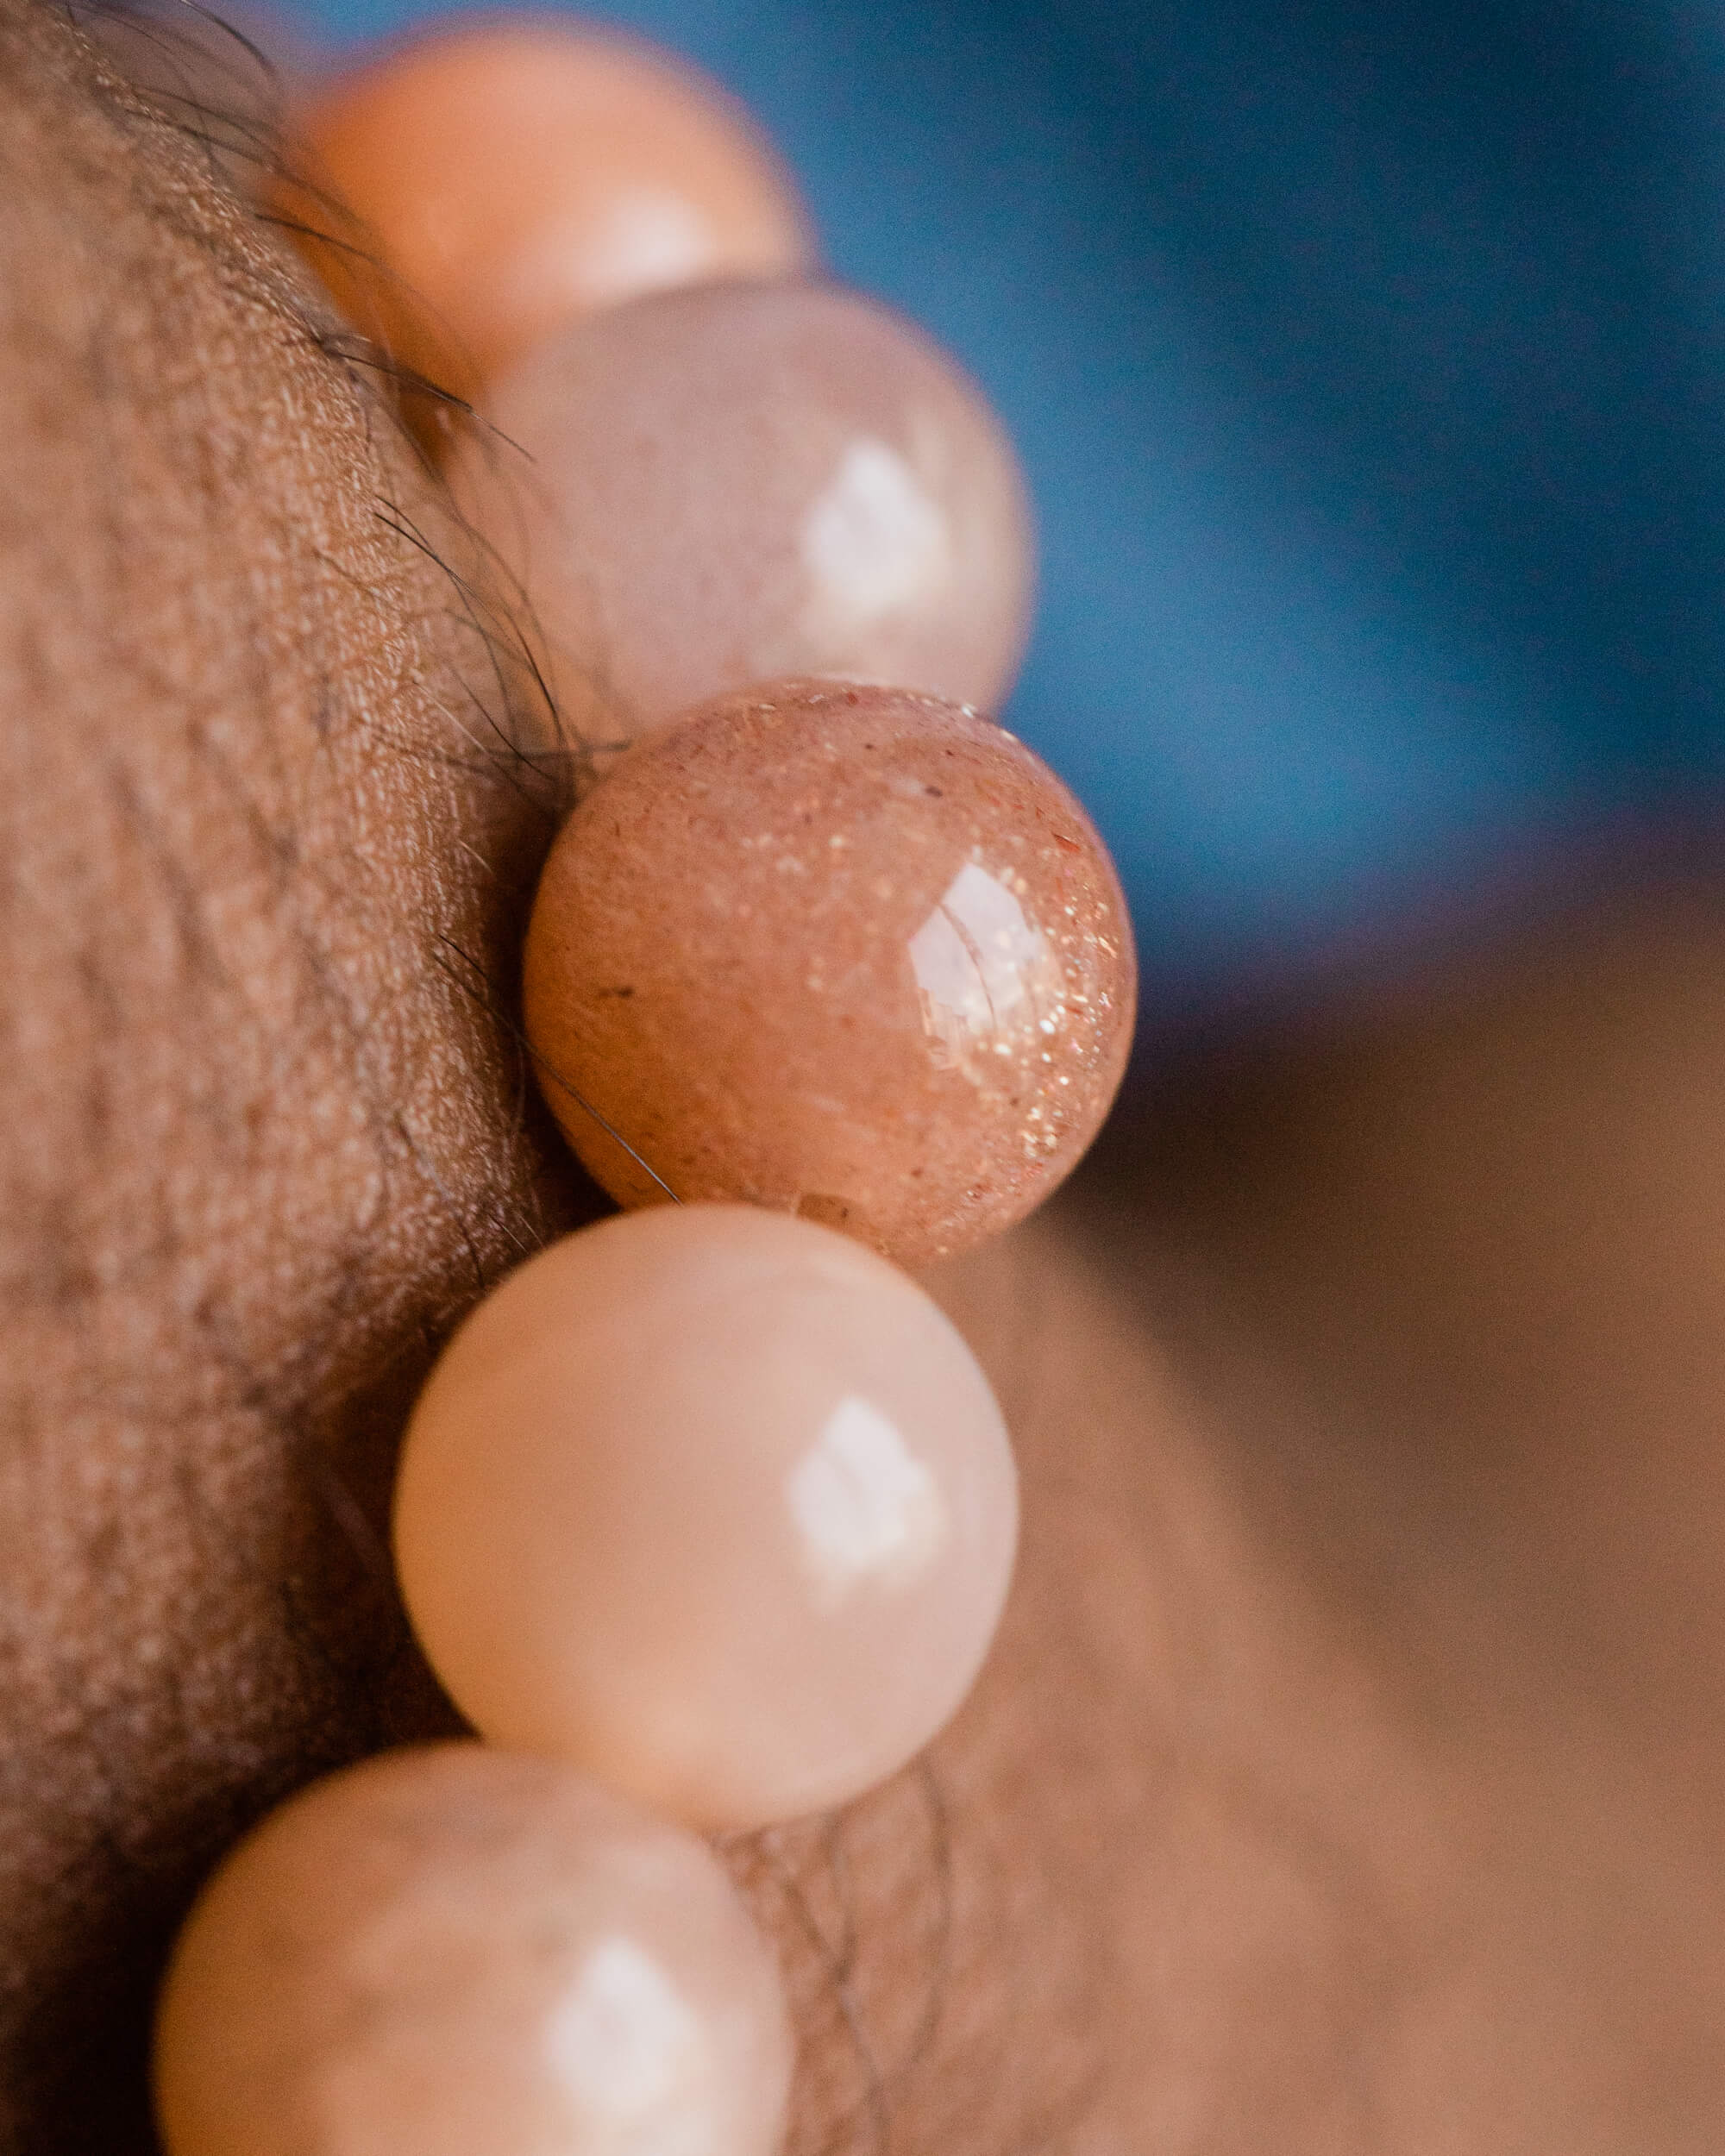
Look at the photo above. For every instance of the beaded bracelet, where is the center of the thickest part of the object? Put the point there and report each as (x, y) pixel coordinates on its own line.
(706, 1516)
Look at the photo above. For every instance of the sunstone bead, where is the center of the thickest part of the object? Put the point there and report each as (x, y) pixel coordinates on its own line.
(842, 951)
(750, 481)
(511, 175)
(454, 1950)
(714, 1505)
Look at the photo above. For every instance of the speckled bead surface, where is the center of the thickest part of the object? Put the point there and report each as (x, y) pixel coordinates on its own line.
(846, 952)
(751, 481)
(513, 174)
(455, 1949)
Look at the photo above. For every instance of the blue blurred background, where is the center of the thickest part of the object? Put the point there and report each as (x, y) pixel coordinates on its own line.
(1366, 361)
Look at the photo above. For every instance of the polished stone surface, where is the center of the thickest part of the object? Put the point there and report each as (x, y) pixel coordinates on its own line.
(722, 486)
(454, 1950)
(513, 175)
(713, 1504)
(842, 951)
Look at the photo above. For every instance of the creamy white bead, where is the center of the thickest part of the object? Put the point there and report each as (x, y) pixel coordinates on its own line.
(714, 1504)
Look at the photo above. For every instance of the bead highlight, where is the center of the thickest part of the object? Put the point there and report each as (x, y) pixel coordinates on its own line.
(714, 1505)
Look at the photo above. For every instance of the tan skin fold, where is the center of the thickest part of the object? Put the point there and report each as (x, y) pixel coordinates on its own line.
(1348, 1776)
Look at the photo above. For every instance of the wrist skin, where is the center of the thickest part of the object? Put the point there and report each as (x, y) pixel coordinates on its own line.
(1347, 1776)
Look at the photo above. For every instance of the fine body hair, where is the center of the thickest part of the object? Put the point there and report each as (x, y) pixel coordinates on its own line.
(276, 774)
(267, 826)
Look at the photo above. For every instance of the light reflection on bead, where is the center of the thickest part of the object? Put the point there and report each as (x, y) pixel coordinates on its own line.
(840, 951)
(713, 1504)
(748, 481)
(516, 175)
(454, 1950)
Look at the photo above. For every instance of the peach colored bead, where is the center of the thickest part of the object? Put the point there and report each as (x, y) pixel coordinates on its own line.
(515, 175)
(841, 951)
(748, 481)
(453, 1950)
(713, 1504)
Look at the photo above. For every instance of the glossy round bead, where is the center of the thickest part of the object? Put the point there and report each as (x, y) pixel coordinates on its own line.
(713, 1504)
(517, 174)
(748, 482)
(846, 952)
(455, 1949)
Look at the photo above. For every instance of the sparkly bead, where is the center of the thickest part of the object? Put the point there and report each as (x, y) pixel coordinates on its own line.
(454, 1950)
(713, 1504)
(750, 481)
(842, 951)
(514, 175)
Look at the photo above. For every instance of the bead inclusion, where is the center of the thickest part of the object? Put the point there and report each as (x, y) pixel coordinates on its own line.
(751, 481)
(452, 1950)
(514, 176)
(847, 952)
(713, 1504)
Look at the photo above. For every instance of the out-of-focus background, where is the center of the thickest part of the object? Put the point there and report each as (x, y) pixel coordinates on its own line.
(1368, 363)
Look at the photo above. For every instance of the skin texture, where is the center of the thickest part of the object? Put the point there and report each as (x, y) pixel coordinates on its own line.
(263, 844)
(1348, 1775)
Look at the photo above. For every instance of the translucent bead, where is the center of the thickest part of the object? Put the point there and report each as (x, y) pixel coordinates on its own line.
(748, 481)
(712, 1504)
(514, 175)
(841, 951)
(454, 1950)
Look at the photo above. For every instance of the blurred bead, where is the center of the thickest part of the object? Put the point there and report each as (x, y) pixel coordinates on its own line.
(751, 481)
(516, 175)
(713, 1504)
(845, 952)
(454, 1950)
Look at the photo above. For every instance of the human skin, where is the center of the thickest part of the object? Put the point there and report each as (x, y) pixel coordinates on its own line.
(1348, 1775)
